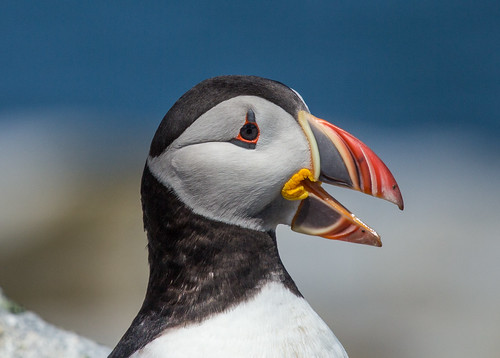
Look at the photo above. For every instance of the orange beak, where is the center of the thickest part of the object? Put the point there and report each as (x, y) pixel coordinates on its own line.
(340, 159)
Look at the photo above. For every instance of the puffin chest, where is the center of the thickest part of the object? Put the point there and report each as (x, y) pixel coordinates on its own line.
(274, 323)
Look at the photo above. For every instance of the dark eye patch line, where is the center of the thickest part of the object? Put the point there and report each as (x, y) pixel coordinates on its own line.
(250, 116)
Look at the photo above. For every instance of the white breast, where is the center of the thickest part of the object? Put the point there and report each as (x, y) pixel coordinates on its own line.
(275, 323)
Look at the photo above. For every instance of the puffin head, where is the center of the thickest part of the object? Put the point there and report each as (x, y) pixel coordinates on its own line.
(246, 151)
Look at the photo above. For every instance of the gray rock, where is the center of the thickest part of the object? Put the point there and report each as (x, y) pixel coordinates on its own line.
(25, 335)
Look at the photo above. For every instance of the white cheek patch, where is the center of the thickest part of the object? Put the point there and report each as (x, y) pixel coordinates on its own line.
(226, 182)
(220, 124)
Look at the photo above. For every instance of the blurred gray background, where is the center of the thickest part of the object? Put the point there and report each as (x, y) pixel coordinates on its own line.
(83, 87)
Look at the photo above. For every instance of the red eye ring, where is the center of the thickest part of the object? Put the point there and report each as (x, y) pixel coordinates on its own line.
(249, 132)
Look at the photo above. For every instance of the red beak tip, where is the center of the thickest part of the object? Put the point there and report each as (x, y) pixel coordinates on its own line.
(399, 202)
(394, 196)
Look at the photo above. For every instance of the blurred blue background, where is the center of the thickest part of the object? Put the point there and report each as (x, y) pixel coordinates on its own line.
(84, 85)
(396, 63)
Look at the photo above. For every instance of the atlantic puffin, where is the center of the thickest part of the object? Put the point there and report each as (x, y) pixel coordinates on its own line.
(234, 157)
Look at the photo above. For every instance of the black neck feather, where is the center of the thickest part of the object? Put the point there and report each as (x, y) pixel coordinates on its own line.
(198, 267)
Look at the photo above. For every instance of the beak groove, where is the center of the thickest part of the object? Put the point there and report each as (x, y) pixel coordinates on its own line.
(364, 170)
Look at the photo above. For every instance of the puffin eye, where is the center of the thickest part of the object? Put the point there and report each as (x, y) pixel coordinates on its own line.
(249, 131)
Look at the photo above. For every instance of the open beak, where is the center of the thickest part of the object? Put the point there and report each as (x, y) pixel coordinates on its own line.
(338, 158)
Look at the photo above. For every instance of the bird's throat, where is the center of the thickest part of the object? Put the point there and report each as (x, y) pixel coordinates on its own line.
(199, 267)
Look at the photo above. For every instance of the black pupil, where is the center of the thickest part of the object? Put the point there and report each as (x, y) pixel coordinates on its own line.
(249, 131)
